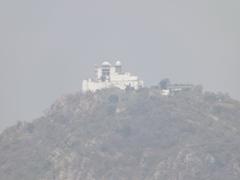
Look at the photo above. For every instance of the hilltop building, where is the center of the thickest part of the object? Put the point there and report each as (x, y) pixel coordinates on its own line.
(108, 76)
(169, 89)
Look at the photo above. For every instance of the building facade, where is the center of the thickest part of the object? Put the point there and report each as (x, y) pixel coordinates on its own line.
(108, 76)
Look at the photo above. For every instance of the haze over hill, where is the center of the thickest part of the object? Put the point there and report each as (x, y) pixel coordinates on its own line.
(48, 47)
(120, 135)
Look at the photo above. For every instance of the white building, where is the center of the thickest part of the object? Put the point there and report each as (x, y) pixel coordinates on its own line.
(108, 76)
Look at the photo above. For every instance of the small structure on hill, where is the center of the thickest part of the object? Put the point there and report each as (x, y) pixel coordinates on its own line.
(108, 76)
(169, 89)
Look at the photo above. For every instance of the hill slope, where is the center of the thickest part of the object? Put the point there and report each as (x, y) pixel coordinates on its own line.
(135, 135)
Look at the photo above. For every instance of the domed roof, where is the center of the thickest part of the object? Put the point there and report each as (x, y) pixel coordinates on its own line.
(106, 63)
(118, 63)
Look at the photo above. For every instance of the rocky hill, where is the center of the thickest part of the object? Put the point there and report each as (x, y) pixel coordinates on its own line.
(127, 135)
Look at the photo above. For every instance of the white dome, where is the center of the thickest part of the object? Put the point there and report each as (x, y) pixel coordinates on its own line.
(106, 63)
(118, 63)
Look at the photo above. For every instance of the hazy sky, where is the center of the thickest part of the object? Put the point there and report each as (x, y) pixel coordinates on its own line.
(48, 47)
